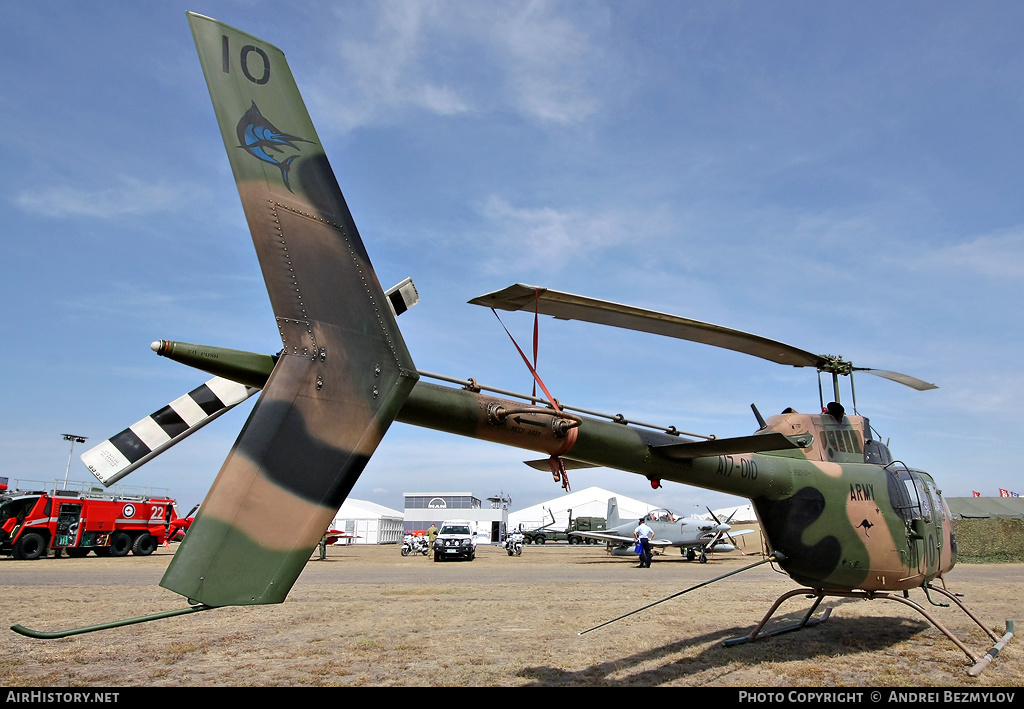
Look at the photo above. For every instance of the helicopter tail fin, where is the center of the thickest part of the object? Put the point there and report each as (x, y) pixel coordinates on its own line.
(344, 372)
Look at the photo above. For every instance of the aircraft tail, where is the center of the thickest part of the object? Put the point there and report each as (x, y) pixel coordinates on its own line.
(344, 372)
(613, 513)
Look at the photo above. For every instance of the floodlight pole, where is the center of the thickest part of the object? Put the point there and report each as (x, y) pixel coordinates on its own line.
(74, 439)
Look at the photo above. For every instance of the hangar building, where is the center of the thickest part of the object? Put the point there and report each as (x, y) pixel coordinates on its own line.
(425, 508)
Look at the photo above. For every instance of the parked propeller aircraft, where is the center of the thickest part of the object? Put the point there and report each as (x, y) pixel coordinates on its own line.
(179, 525)
(839, 514)
(696, 537)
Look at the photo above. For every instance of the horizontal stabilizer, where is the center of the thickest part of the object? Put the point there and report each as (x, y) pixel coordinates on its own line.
(756, 443)
(567, 463)
(608, 537)
(121, 454)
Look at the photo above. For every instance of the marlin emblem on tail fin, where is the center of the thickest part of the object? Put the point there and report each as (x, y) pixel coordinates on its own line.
(257, 135)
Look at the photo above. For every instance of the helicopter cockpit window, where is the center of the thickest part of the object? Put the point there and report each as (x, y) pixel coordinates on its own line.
(920, 503)
(916, 488)
(904, 504)
(912, 492)
(843, 441)
(940, 505)
(853, 442)
(876, 452)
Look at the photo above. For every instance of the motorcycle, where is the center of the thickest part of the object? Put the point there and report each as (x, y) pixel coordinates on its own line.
(415, 545)
(514, 544)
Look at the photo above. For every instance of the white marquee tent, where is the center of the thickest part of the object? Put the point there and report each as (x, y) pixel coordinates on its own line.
(741, 514)
(370, 522)
(590, 502)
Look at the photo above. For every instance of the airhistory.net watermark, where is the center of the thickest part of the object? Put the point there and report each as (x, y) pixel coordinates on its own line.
(39, 696)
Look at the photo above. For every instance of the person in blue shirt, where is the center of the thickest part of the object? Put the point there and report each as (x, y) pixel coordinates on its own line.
(644, 535)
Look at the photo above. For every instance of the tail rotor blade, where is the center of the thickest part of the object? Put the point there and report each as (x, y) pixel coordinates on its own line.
(138, 444)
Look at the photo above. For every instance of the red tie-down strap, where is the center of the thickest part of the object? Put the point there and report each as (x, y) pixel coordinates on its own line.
(558, 470)
(557, 467)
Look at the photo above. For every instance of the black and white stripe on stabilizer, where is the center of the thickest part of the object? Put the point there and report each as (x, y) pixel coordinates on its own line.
(121, 454)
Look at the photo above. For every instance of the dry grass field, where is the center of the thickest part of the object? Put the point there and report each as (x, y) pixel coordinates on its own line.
(366, 616)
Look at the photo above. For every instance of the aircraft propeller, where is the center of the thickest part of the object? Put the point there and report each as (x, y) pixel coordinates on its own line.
(725, 529)
(180, 524)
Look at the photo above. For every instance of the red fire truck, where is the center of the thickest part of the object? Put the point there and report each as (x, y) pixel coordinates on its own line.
(34, 522)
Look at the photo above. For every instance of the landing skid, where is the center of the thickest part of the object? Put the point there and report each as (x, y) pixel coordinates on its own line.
(807, 621)
(979, 663)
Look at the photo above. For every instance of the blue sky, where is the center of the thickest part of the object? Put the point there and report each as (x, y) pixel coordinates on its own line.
(845, 178)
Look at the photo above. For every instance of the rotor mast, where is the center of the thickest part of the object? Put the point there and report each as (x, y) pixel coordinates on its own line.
(836, 366)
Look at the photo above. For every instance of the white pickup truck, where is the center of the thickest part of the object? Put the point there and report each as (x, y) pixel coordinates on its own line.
(455, 540)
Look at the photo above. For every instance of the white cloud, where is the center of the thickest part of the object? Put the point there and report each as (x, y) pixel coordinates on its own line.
(996, 255)
(450, 59)
(548, 236)
(548, 59)
(131, 196)
(385, 71)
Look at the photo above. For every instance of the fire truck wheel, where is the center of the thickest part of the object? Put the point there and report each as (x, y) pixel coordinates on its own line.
(144, 545)
(30, 546)
(120, 543)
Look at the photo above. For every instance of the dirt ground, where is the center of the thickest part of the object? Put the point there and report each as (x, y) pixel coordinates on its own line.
(366, 616)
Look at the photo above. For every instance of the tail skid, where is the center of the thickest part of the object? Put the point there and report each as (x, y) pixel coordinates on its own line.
(57, 634)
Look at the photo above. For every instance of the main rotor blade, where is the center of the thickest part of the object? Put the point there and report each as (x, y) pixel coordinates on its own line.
(905, 379)
(567, 306)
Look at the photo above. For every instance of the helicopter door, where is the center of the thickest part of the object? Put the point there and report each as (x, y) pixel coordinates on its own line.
(925, 533)
(936, 534)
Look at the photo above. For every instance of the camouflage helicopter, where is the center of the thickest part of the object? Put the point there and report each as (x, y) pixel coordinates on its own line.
(840, 515)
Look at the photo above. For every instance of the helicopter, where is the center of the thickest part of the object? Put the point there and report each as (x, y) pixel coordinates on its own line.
(840, 515)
